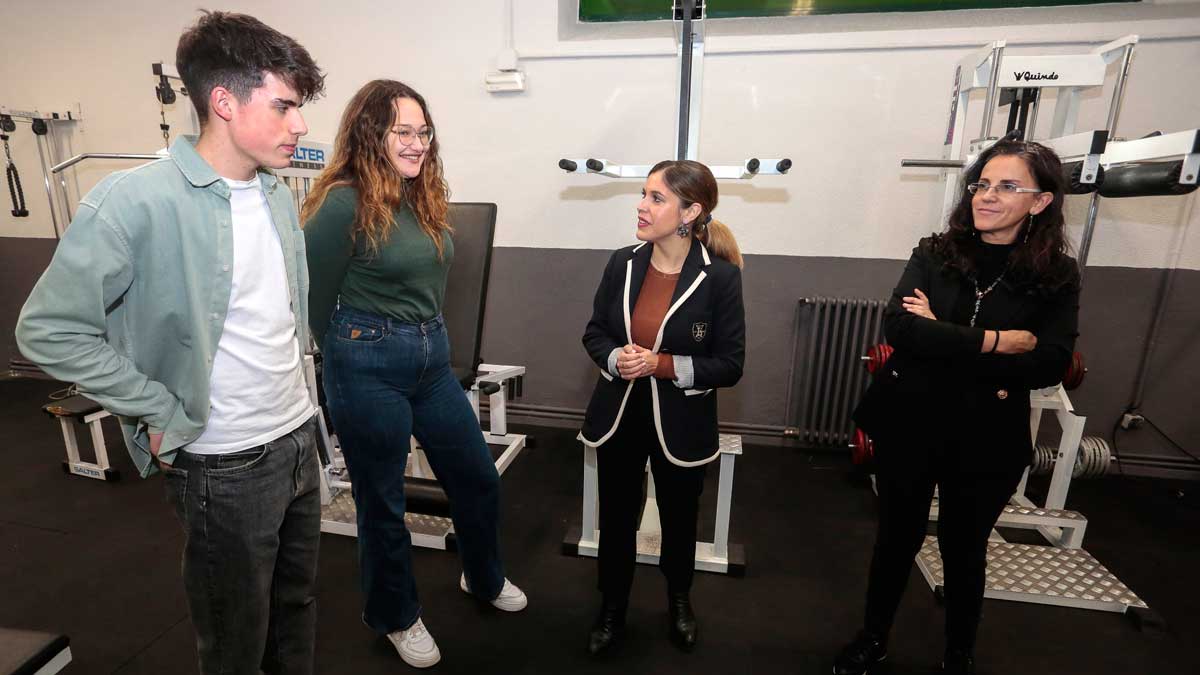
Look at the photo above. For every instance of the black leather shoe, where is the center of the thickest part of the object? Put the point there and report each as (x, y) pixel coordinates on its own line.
(958, 662)
(683, 621)
(865, 651)
(608, 630)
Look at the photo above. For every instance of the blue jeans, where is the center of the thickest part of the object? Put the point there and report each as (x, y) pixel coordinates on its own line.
(386, 381)
(252, 525)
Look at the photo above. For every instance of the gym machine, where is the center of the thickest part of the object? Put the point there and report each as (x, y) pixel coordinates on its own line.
(1095, 162)
(50, 134)
(15, 191)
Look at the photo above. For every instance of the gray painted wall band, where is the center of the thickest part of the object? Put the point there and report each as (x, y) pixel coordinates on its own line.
(540, 299)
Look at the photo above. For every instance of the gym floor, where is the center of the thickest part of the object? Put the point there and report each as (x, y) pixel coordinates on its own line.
(100, 563)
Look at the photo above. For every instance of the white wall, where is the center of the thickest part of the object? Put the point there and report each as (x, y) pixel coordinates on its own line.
(846, 104)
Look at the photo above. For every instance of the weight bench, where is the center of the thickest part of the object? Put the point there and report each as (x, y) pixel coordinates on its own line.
(79, 409)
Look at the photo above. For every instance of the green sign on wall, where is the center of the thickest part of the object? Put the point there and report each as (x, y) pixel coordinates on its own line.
(655, 10)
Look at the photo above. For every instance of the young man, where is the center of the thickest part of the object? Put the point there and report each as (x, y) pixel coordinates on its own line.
(178, 300)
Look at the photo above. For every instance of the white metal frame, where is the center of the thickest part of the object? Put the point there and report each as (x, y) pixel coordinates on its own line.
(497, 431)
(54, 120)
(989, 69)
(98, 470)
(1054, 399)
(56, 664)
(1058, 526)
(711, 556)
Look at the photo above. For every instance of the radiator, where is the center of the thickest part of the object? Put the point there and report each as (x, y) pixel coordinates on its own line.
(827, 374)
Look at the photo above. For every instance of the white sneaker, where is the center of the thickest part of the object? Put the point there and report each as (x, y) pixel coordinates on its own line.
(416, 645)
(511, 598)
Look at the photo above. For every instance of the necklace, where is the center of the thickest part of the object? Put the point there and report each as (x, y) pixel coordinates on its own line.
(666, 274)
(980, 294)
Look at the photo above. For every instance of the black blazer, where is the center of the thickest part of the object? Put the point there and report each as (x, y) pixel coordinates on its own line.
(705, 320)
(937, 384)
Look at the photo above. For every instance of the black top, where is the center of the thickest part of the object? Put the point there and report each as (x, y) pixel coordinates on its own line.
(937, 383)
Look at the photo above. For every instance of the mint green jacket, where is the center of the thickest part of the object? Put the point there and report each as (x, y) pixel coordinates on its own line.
(133, 303)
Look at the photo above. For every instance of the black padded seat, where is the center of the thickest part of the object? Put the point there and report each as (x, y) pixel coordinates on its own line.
(77, 406)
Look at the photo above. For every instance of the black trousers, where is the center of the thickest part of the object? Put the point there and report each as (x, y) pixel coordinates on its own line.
(970, 501)
(621, 464)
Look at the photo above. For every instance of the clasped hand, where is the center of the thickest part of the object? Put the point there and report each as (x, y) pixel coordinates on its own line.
(636, 361)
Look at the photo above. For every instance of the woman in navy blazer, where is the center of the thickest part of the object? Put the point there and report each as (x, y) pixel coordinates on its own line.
(983, 314)
(667, 329)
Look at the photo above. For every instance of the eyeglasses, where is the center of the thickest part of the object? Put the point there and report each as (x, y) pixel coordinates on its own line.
(408, 134)
(1000, 188)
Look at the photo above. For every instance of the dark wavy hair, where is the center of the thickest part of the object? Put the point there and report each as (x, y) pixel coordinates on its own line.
(1042, 256)
(235, 51)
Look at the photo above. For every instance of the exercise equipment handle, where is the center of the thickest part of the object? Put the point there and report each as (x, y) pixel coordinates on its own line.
(58, 168)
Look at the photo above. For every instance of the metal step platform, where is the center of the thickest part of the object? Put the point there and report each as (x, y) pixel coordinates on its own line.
(340, 517)
(1072, 524)
(1066, 577)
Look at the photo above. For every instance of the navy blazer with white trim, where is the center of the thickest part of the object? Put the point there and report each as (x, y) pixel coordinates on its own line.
(705, 320)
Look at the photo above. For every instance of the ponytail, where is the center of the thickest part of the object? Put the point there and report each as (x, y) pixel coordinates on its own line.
(720, 242)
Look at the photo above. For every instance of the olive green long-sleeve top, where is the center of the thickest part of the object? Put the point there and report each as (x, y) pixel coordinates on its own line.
(403, 280)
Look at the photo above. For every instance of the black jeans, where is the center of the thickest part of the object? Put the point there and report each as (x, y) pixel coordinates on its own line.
(621, 465)
(252, 526)
(969, 504)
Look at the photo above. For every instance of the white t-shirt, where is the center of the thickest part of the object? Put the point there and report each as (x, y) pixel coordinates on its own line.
(257, 392)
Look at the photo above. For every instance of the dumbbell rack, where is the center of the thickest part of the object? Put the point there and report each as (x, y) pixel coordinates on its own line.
(338, 514)
(1060, 573)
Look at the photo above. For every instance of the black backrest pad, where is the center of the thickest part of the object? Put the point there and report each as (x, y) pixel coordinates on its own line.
(466, 288)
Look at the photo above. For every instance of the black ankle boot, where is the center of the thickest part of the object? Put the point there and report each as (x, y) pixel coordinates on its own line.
(608, 629)
(683, 621)
(958, 662)
(865, 651)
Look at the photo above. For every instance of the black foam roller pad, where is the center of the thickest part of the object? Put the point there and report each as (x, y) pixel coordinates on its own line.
(1073, 173)
(426, 496)
(1154, 179)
